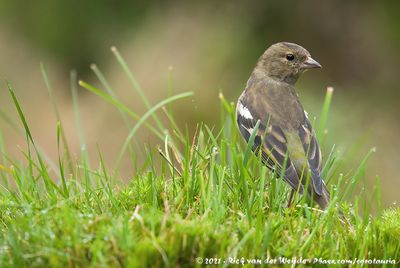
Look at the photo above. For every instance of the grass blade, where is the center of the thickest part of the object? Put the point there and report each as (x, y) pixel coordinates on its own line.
(144, 118)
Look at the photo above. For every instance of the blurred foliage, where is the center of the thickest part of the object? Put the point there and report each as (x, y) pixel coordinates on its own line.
(343, 32)
(74, 31)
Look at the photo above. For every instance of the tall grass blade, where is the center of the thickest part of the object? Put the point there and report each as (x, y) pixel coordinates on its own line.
(324, 115)
(135, 84)
(58, 116)
(250, 144)
(144, 118)
(119, 106)
(50, 185)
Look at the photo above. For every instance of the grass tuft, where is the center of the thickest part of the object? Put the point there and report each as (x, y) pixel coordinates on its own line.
(197, 199)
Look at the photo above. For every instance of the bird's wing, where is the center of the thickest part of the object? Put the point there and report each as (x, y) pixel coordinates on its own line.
(313, 153)
(271, 142)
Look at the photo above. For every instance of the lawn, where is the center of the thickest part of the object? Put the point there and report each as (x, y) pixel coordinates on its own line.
(198, 199)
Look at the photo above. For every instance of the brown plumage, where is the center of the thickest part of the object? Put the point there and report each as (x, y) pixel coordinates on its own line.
(285, 136)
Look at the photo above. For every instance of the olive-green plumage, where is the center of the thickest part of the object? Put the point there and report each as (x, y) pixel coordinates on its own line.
(285, 137)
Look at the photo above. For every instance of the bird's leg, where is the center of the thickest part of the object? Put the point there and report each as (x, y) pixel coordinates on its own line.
(290, 202)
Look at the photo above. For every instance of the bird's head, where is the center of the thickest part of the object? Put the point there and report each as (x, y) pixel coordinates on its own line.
(285, 62)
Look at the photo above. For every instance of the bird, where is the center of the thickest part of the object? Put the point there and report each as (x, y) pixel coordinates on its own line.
(270, 107)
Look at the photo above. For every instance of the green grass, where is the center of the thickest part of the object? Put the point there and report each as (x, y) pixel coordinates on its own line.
(197, 198)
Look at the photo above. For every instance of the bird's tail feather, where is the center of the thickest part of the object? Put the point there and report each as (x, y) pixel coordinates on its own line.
(322, 200)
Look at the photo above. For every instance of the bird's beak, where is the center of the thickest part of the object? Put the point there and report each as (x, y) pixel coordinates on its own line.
(311, 63)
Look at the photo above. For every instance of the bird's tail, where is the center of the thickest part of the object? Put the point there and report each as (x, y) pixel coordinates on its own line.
(322, 200)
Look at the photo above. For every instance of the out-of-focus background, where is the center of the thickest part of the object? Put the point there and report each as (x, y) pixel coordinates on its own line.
(212, 47)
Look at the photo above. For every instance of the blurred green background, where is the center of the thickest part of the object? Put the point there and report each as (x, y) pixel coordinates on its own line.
(212, 47)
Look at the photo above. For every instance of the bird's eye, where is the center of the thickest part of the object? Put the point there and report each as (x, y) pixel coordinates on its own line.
(290, 57)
